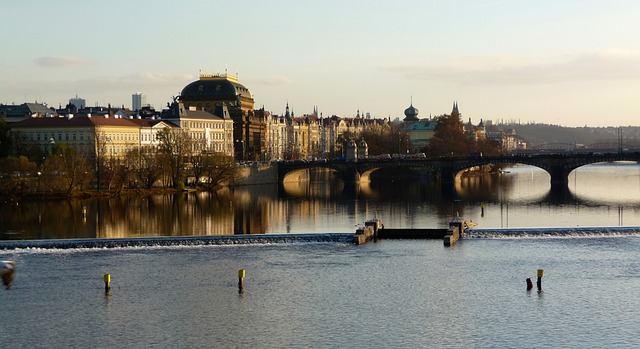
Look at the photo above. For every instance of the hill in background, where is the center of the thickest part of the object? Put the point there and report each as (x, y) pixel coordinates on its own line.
(540, 134)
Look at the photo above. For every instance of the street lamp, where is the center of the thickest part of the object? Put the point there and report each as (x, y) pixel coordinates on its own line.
(241, 153)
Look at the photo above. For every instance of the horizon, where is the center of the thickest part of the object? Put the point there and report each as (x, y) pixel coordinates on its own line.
(557, 63)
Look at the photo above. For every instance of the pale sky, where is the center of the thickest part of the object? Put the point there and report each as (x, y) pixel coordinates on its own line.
(561, 62)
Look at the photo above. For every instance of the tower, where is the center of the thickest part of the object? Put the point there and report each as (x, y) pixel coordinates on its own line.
(138, 100)
(455, 112)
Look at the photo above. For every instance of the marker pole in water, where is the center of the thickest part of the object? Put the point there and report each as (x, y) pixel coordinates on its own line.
(241, 275)
(107, 283)
(529, 284)
(540, 275)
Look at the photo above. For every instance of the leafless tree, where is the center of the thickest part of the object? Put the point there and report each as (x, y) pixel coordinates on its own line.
(218, 169)
(175, 147)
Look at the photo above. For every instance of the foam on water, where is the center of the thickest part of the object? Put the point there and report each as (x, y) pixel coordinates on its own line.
(532, 233)
(170, 242)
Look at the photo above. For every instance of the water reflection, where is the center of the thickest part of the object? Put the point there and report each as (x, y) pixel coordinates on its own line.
(596, 195)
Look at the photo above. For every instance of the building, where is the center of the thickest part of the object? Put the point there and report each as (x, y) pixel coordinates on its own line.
(210, 132)
(78, 103)
(88, 135)
(14, 113)
(214, 91)
(411, 114)
(276, 137)
(138, 101)
(420, 132)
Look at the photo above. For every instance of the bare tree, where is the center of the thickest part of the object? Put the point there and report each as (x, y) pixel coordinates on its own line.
(100, 156)
(218, 169)
(175, 147)
(65, 169)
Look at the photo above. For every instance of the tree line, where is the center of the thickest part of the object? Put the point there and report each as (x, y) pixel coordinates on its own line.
(450, 139)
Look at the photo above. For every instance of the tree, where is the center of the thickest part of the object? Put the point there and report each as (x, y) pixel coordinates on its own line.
(386, 139)
(175, 147)
(218, 169)
(5, 143)
(14, 172)
(101, 140)
(19, 144)
(449, 138)
(65, 169)
(144, 167)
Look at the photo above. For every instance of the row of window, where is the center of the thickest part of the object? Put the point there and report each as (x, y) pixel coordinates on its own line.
(52, 137)
(48, 137)
(194, 124)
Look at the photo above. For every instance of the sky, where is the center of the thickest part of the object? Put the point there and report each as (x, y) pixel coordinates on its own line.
(561, 62)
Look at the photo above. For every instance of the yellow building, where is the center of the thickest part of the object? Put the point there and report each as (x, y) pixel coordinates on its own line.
(88, 135)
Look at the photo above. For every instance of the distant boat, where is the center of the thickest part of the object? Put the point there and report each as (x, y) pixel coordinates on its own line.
(7, 273)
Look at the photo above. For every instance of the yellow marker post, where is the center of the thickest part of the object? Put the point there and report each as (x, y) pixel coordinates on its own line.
(540, 275)
(241, 275)
(107, 282)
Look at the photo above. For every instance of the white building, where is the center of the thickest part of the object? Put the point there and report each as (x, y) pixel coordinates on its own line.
(79, 103)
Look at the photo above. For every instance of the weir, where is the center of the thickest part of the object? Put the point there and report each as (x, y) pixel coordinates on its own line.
(177, 241)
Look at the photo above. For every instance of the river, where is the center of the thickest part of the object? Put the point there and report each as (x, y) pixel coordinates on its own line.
(306, 293)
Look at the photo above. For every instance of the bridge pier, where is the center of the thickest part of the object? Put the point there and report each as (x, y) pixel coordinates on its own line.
(351, 174)
(559, 176)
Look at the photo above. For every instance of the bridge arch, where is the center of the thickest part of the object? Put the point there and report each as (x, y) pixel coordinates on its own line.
(558, 165)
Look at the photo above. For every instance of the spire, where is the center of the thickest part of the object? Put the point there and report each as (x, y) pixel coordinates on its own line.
(455, 112)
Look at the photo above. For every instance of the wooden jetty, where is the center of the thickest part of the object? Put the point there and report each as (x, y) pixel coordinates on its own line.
(374, 229)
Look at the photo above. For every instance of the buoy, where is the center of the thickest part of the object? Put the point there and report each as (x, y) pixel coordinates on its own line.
(7, 273)
(241, 275)
(107, 282)
(529, 284)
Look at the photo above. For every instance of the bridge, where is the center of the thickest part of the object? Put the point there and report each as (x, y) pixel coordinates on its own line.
(445, 170)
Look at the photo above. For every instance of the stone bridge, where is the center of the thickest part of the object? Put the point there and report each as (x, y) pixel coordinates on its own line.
(559, 165)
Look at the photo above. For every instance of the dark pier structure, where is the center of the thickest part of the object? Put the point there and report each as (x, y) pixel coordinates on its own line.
(374, 230)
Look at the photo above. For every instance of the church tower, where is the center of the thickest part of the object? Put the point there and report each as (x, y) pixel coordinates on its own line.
(455, 112)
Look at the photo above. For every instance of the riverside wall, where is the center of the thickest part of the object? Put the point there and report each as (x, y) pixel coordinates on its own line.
(257, 173)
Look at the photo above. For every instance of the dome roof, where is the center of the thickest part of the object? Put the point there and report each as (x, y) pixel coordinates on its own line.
(214, 87)
(411, 113)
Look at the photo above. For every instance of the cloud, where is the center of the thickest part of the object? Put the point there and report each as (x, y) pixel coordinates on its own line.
(151, 78)
(270, 81)
(516, 70)
(60, 62)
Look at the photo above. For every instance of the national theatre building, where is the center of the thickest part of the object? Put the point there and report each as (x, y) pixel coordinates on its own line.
(216, 91)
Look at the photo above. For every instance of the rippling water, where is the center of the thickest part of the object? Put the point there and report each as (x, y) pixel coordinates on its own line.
(410, 294)
(311, 291)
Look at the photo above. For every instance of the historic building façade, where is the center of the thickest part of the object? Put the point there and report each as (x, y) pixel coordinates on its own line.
(213, 91)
